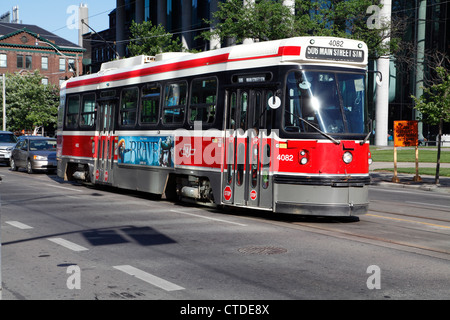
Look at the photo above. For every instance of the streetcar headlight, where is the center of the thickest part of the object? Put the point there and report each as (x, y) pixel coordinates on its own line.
(304, 161)
(347, 157)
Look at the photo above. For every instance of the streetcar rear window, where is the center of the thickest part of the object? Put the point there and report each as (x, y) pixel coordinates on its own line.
(203, 100)
(174, 102)
(73, 110)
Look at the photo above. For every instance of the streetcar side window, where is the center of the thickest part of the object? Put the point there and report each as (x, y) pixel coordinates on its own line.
(150, 100)
(203, 100)
(128, 106)
(73, 110)
(233, 108)
(174, 102)
(88, 110)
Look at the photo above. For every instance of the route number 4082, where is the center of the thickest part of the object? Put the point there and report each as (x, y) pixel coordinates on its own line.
(336, 43)
(285, 157)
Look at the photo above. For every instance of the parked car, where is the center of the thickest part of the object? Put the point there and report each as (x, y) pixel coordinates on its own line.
(34, 154)
(7, 142)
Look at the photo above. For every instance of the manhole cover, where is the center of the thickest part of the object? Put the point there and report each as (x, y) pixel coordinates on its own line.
(262, 250)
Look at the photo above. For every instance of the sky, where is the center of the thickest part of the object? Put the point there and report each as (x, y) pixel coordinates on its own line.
(57, 16)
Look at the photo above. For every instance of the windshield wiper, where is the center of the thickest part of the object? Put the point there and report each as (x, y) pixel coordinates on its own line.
(315, 128)
(368, 135)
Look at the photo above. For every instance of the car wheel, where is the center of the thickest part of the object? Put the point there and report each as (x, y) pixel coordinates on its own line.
(12, 163)
(29, 168)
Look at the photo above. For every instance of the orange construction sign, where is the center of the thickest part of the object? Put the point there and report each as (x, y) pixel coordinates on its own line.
(406, 134)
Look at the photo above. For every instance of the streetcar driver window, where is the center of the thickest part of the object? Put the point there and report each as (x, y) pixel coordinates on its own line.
(73, 109)
(128, 106)
(174, 102)
(203, 100)
(151, 95)
(330, 101)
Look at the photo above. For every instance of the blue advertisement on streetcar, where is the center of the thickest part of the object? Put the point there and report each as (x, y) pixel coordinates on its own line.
(146, 151)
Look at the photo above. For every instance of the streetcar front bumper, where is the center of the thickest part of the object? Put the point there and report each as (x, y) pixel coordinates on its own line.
(337, 196)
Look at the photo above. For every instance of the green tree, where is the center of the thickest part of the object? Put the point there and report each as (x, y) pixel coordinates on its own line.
(29, 103)
(148, 39)
(434, 105)
(270, 20)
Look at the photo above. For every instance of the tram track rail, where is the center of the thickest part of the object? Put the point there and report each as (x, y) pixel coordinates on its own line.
(381, 228)
(377, 239)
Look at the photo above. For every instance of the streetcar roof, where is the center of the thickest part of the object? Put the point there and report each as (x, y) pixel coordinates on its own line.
(306, 50)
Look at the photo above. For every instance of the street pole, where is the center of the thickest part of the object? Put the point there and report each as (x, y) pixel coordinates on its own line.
(382, 94)
(4, 102)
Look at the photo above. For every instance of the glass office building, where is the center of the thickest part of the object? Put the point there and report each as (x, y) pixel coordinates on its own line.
(426, 35)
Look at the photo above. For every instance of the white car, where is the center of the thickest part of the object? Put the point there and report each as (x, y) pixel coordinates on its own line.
(7, 142)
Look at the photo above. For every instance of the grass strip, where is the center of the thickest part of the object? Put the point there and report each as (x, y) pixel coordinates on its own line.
(409, 155)
(443, 172)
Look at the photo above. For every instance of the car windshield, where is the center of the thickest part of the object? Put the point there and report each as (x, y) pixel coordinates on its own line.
(7, 138)
(42, 145)
(332, 101)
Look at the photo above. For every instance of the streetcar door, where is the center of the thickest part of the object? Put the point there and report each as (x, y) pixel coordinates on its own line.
(105, 142)
(242, 174)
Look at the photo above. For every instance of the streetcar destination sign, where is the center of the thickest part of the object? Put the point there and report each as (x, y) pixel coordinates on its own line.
(341, 54)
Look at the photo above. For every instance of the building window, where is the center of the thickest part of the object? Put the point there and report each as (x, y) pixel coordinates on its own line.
(3, 60)
(44, 61)
(71, 65)
(62, 64)
(28, 62)
(19, 61)
(44, 81)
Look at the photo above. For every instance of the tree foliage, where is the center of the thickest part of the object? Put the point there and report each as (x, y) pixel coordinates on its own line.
(434, 104)
(264, 20)
(148, 39)
(29, 103)
(435, 101)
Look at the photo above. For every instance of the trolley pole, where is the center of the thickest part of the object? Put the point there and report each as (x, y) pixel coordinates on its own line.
(1, 281)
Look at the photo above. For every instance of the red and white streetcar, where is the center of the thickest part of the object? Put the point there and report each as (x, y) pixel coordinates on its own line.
(277, 125)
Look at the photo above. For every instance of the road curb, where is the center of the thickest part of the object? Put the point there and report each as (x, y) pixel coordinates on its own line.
(406, 182)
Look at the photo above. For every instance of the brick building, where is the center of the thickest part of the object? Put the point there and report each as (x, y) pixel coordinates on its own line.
(26, 48)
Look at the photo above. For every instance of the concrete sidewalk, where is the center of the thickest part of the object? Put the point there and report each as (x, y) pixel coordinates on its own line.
(406, 180)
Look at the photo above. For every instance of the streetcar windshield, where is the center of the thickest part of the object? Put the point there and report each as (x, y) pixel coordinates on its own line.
(330, 101)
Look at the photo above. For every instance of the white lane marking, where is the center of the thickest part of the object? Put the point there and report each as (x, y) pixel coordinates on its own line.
(214, 219)
(68, 244)
(149, 278)
(19, 225)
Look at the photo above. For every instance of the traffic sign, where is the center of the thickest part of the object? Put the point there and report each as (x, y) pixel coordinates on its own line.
(406, 134)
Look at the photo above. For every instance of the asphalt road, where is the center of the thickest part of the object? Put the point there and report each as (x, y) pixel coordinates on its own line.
(64, 241)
